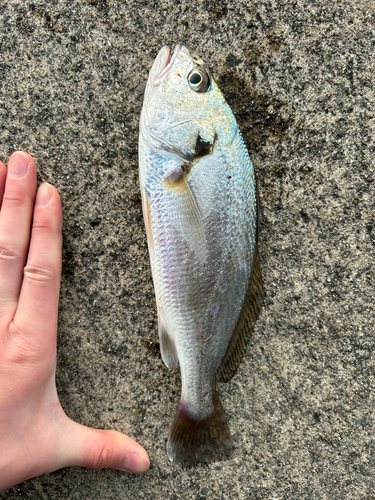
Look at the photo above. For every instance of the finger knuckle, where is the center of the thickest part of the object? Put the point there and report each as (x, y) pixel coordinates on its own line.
(18, 354)
(21, 349)
(104, 457)
(42, 225)
(45, 225)
(39, 274)
(14, 199)
(8, 253)
(24, 355)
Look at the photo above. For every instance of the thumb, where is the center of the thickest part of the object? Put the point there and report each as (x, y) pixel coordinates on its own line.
(99, 449)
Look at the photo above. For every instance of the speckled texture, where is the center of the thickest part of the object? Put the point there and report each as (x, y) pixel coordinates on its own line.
(299, 76)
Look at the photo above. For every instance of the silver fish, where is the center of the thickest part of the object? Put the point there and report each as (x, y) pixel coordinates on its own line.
(199, 204)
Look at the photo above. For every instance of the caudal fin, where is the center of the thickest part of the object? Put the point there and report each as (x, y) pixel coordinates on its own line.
(191, 441)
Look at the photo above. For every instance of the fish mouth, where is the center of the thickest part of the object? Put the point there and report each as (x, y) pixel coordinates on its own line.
(164, 63)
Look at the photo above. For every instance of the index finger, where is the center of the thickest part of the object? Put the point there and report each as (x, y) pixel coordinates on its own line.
(37, 308)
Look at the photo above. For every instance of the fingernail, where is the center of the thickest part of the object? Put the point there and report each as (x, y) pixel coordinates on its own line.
(44, 195)
(135, 463)
(18, 165)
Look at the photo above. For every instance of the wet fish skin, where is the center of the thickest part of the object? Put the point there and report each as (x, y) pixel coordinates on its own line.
(200, 210)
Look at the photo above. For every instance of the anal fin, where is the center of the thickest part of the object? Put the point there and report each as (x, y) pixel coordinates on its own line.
(245, 323)
(167, 347)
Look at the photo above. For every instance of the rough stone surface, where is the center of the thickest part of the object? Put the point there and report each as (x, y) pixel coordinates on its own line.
(299, 76)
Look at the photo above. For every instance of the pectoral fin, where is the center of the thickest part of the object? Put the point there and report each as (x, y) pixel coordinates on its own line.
(185, 215)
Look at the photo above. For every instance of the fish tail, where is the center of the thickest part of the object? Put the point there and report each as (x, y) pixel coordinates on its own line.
(191, 441)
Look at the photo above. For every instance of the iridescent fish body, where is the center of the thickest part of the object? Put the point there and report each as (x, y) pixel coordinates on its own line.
(200, 210)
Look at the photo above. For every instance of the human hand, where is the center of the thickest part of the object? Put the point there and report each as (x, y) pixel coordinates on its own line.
(35, 434)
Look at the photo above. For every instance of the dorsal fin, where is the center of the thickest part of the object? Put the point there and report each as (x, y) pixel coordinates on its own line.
(245, 324)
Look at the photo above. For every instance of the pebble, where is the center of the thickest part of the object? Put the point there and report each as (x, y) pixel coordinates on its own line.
(232, 60)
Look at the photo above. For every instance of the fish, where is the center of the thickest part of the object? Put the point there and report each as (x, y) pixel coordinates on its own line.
(200, 208)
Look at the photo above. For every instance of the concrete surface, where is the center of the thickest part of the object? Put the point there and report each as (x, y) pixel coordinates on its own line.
(299, 76)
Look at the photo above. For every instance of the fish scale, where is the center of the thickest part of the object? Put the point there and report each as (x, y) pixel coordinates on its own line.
(200, 209)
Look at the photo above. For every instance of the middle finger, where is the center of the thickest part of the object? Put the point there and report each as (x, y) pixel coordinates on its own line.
(15, 222)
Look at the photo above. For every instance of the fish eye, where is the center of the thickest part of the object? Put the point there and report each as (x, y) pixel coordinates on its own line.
(199, 79)
(195, 79)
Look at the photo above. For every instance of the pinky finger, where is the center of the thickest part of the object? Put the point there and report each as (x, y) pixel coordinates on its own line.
(3, 176)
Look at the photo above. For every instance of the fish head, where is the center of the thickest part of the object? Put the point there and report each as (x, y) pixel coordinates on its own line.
(184, 112)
